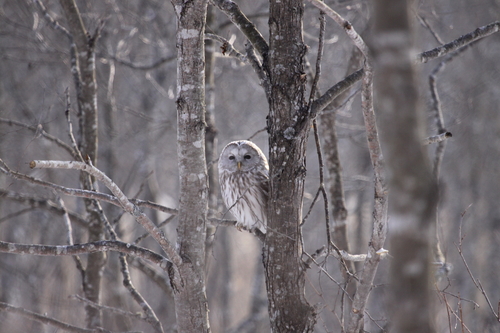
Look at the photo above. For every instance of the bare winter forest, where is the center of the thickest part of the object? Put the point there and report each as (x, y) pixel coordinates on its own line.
(142, 96)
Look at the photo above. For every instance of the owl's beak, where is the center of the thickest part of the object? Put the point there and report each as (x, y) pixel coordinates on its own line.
(239, 165)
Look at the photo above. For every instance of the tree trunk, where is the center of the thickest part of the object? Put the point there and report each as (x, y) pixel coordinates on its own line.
(83, 70)
(412, 188)
(190, 299)
(288, 126)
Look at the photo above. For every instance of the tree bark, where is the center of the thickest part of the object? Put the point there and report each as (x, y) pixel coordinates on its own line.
(288, 126)
(83, 69)
(412, 187)
(191, 300)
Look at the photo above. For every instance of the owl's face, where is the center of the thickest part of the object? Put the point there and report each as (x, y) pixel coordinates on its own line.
(241, 156)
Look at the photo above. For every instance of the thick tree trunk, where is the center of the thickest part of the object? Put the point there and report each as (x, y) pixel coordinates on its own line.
(190, 298)
(288, 127)
(412, 187)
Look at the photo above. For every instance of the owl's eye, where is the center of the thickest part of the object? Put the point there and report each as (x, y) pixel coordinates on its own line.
(247, 157)
(231, 157)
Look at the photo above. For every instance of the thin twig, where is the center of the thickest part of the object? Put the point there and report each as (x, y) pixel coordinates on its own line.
(379, 230)
(39, 130)
(125, 203)
(44, 319)
(476, 282)
(256, 65)
(67, 112)
(227, 48)
(144, 67)
(109, 308)
(69, 234)
(55, 24)
(36, 202)
(437, 138)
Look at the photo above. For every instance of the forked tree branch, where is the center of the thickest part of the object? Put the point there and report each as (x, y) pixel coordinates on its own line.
(125, 203)
(379, 230)
(322, 102)
(82, 193)
(227, 48)
(249, 29)
(39, 131)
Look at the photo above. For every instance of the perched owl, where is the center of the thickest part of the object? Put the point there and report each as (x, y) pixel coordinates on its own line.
(244, 181)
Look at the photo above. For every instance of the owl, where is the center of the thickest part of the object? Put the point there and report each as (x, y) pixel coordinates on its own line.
(244, 181)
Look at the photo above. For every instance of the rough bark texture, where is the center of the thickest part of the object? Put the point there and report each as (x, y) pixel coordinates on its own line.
(191, 300)
(412, 187)
(83, 69)
(288, 126)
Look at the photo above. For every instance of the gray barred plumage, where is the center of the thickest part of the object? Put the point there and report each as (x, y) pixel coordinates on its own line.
(244, 181)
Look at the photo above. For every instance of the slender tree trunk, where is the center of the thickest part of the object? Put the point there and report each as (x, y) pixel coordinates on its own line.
(288, 126)
(191, 300)
(412, 187)
(83, 69)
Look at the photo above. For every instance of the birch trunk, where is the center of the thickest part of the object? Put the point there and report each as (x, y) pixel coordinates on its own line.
(190, 298)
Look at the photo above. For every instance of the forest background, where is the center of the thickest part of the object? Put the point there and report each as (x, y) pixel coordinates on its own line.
(135, 72)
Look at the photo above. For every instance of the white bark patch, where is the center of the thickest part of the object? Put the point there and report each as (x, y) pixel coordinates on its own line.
(12, 247)
(189, 33)
(289, 133)
(178, 10)
(185, 87)
(197, 144)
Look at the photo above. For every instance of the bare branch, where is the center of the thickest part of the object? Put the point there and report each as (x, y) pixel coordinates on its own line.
(343, 23)
(100, 246)
(144, 67)
(424, 23)
(321, 103)
(319, 56)
(379, 230)
(69, 234)
(39, 130)
(41, 203)
(239, 19)
(462, 41)
(55, 24)
(109, 308)
(58, 188)
(49, 320)
(78, 153)
(126, 204)
(227, 48)
(437, 138)
(257, 66)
